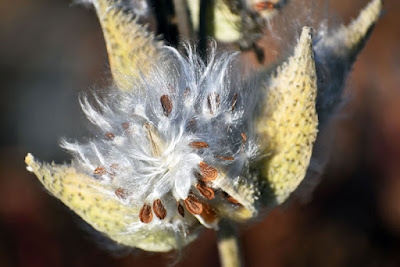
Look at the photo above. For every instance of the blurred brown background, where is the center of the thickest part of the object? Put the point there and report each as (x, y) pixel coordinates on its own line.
(51, 50)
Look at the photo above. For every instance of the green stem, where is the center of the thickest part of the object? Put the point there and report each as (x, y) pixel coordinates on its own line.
(228, 245)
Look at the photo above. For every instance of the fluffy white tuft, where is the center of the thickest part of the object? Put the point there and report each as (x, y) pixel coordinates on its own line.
(143, 143)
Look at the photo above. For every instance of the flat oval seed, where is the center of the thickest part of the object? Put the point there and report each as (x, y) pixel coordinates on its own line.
(181, 210)
(166, 104)
(159, 209)
(207, 171)
(244, 137)
(200, 177)
(208, 214)
(100, 171)
(186, 93)
(125, 125)
(232, 200)
(224, 158)
(234, 101)
(191, 125)
(145, 214)
(121, 193)
(205, 191)
(193, 205)
(198, 144)
(110, 136)
(261, 6)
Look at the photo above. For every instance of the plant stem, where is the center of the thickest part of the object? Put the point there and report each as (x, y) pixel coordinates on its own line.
(228, 245)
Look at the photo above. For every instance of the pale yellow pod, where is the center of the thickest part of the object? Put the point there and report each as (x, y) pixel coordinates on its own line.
(100, 207)
(132, 49)
(348, 41)
(287, 123)
(336, 54)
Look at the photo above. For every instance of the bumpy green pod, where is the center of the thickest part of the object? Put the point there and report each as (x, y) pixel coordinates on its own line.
(131, 48)
(336, 54)
(287, 123)
(92, 201)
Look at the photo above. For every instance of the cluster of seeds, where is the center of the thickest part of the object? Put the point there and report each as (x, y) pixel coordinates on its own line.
(205, 175)
(166, 148)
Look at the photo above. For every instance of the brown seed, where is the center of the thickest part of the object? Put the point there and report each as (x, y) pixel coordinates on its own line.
(114, 166)
(110, 136)
(186, 93)
(121, 193)
(166, 104)
(193, 205)
(208, 214)
(232, 200)
(224, 158)
(145, 214)
(159, 209)
(198, 145)
(207, 171)
(100, 171)
(125, 125)
(244, 137)
(181, 210)
(200, 177)
(205, 191)
(213, 102)
(234, 101)
(191, 125)
(264, 5)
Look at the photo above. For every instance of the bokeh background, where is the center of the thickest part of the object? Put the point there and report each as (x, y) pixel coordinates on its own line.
(51, 50)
